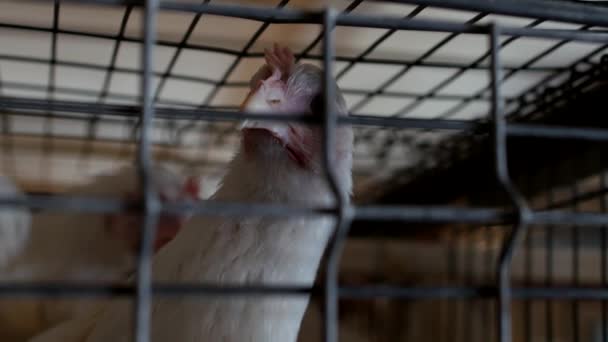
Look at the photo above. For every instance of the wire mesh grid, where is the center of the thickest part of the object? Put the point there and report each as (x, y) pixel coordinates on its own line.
(179, 117)
(113, 75)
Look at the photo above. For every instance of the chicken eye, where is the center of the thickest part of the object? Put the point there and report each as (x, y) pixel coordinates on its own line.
(274, 102)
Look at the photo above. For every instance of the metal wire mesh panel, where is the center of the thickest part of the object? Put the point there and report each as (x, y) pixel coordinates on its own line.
(479, 204)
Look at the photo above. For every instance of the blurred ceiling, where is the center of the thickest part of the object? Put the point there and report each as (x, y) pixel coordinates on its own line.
(407, 74)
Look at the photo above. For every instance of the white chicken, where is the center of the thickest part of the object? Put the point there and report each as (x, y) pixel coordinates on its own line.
(80, 247)
(276, 163)
(14, 224)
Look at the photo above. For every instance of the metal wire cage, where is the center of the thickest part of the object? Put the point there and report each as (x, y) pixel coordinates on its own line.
(519, 204)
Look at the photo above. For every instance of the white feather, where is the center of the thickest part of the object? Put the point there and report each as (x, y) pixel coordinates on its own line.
(14, 224)
(70, 247)
(266, 250)
(236, 251)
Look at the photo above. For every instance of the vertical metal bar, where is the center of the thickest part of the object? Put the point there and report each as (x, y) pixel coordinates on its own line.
(8, 155)
(604, 253)
(344, 216)
(469, 281)
(528, 317)
(53, 61)
(47, 146)
(491, 236)
(489, 265)
(150, 201)
(502, 174)
(575, 266)
(549, 238)
(452, 277)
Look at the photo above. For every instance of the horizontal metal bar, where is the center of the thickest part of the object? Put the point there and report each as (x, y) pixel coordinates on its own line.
(67, 106)
(554, 293)
(99, 67)
(562, 293)
(431, 214)
(356, 20)
(91, 93)
(393, 23)
(94, 94)
(232, 52)
(559, 217)
(433, 64)
(349, 19)
(533, 130)
(258, 13)
(409, 95)
(134, 98)
(217, 115)
(274, 15)
(125, 140)
(404, 213)
(575, 35)
(447, 214)
(547, 10)
(372, 120)
(65, 203)
(54, 290)
(114, 37)
(75, 117)
(557, 132)
(395, 292)
(71, 290)
(65, 290)
(288, 15)
(139, 3)
(78, 204)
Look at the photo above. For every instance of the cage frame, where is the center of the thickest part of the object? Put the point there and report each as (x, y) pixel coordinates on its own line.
(520, 216)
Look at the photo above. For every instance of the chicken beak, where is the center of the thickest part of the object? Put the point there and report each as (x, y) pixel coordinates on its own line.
(281, 131)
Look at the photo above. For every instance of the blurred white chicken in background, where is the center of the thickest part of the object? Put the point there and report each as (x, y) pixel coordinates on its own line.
(79, 247)
(14, 224)
(276, 163)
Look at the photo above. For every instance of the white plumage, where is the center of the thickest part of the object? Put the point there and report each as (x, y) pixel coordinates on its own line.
(268, 168)
(14, 224)
(68, 247)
